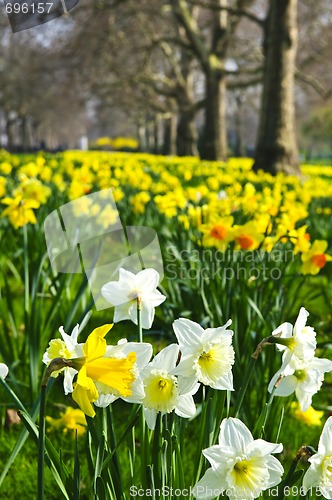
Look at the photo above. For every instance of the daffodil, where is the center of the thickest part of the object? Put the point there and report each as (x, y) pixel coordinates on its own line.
(143, 352)
(319, 475)
(72, 419)
(241, 466)
(3, 182)
(67, 348)
(298, 340)
(247, 237)
(94, 367)
(218, 232)
(305, 378)
(300, 239)
(207, 355)
(161, 388)
(123, 294)
(20, 211)
(315, 258)
(310, 417)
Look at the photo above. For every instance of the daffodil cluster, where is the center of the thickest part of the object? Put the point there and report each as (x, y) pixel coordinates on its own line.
(301, 372)
(219, 204)
(104, 373)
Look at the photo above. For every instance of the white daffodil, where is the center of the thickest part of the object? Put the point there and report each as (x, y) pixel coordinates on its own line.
(3, 370)
(319, 475)
(299, 341)
(305, 378)
(240, 466)
(68, 348)
(123, 294)
(161, 388)
(207, 355)
(122, 350)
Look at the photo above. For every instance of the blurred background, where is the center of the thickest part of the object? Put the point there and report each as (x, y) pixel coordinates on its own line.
(169, 77)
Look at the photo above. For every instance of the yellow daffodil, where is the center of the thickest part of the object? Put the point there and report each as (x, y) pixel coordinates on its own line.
(33, 189)
(315, 258)
(5, 168)
(218, 232)
(310, 417)
(139, 200)
(20, 211)
(247, 237)
(72, 419)
(3, 182)
(94, 367)
(300, 239)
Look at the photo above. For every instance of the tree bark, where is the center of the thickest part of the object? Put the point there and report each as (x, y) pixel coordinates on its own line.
(215, 135)
(169, 139)
(276, 149)
(186, 143)
(215, 130)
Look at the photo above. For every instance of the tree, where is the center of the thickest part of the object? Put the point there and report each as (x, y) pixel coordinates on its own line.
(210, 43)
(276, 147)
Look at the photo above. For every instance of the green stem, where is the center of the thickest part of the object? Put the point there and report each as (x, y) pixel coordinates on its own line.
(139, 319)
(267, 341)
(244, 387)
(41, 443)
(26, 270)
(143, 435)
(12, 394)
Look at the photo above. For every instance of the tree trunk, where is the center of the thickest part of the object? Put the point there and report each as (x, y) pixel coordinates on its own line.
(25, 139)
(169, 139)
(215, 135)
(276, 149)
(186, 143)
(239, 149)
(10, 122)
(215, 131)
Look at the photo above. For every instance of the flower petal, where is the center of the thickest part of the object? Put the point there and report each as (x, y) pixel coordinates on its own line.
(325, 442)
(234, 434)
(84, 397)
(188, 333)
(3, 370)
(287, 386)
(147, 280)
(211, 334)
(69, 374)
(185, 406)
(122, 312)
(210, 486)
(115, 292)
(276, 470)
(150, 417)
(143, 352)
(218, 455)
(167, 358)
(260, 447)
(95, 346)
(300, 322)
